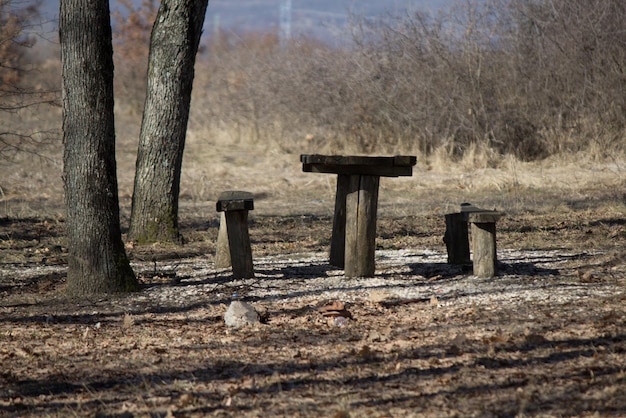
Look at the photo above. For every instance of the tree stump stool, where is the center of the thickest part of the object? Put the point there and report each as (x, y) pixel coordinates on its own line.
(233, 239)
(483, 231)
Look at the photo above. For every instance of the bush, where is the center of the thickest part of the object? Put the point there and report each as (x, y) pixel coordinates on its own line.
(20, 90)
(524, 78)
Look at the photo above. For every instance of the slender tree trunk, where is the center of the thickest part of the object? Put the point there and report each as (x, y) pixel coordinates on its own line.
(173, 47)
(97, 259)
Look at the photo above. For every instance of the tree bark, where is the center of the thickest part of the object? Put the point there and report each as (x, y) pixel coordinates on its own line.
(97, 261)
(173, 47)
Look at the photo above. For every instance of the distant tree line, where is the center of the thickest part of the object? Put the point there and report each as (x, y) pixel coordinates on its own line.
(17, 91)
(530, 78)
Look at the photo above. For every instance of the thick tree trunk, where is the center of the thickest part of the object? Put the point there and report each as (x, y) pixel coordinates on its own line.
(97, 260)
(173, 47)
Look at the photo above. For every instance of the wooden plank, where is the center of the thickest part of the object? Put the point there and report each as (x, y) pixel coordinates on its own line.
(235, 200)
(473, 213)
(484, 217)
(338, 238)
(405, 160)
(361, 207)
(484, 249)
(399, 165)
(366, 170)
(397, 160)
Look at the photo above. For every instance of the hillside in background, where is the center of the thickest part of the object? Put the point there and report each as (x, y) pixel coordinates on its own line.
(320, 18)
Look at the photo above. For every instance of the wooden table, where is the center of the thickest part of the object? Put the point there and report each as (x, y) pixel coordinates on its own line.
(353, 241)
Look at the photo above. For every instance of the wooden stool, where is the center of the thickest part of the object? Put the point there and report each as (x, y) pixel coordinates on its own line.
(233, 239)
(483, 230)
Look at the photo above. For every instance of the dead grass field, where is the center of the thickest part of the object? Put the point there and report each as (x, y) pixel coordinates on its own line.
(547, 337)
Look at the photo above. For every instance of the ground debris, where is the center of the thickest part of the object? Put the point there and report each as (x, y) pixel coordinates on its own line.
(420, 338)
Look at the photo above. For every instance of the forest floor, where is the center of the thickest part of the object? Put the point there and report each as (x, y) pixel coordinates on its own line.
(545, 337)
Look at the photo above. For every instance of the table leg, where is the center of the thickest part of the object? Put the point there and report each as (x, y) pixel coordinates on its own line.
(360, 231)
(338, 239)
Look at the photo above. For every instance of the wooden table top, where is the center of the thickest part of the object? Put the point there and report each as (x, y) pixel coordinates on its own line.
(395, 166)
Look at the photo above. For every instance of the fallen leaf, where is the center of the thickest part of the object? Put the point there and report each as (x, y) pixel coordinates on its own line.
(365, 353)
(185, 399)
(536, 339)
(248, 383)
(374, 336)
(341, 414)
(379, 295)
(454, 350)
(459, 340)
(127, 321)
(496, 338)
(23, 352)
(335, 306)
(335, 309)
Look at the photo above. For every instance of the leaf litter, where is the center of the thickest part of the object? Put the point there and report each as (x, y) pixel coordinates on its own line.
(546, 337)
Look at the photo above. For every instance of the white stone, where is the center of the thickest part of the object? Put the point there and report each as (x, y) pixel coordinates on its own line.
(240, 314)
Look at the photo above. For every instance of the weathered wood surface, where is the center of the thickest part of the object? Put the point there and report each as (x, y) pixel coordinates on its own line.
(456, 239)
(484, 217)
(233, 239)
(235, 200)
(483, 230)
(361, 205)
(484, 249)
(400, 165)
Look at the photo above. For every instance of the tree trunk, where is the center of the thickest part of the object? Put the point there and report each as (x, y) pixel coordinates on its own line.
(97, 260)
(173, 47)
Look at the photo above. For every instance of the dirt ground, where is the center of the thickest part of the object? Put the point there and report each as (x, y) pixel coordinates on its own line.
(545, 338)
